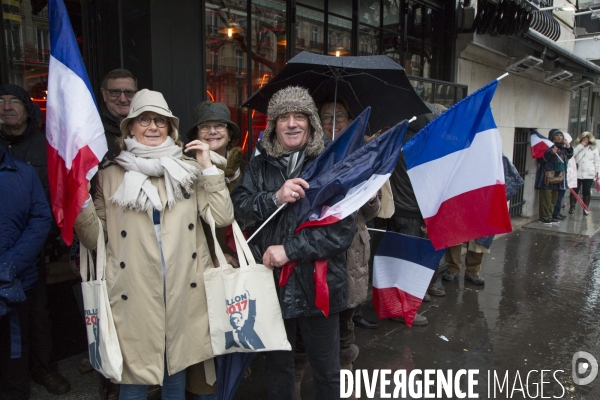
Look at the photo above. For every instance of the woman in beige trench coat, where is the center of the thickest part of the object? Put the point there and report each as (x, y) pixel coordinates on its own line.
(149, 206)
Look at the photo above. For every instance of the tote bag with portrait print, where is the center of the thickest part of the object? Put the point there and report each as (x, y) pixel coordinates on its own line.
(103, 344)
(243, 309)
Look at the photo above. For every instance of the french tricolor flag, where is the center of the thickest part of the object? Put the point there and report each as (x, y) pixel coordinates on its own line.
(539, 145)
(402, 269)
(455, 167)
(74, 131)
(340, 190)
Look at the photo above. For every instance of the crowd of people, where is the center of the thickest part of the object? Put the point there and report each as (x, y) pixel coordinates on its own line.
(151, 198)
(566, 167)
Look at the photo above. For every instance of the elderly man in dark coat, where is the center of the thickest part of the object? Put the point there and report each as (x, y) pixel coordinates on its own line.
(291, 141)
(23, 140)
(24, 222)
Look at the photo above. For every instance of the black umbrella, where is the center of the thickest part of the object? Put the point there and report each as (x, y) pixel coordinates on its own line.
(230, 371)
(375, 81)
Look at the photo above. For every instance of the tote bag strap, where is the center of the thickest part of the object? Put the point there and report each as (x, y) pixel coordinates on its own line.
(100, 253)
(98, 271)
(84, 263)
(218, 251)
(245, 256)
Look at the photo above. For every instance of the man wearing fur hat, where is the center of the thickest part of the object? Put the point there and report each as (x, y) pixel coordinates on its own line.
(291, 141)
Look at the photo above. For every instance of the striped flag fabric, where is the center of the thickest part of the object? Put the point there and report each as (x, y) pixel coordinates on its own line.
(346, 186)
(341, 190)
(74, 131)
(402, 269)
(539, 144)
(348, 141)
(455, 167)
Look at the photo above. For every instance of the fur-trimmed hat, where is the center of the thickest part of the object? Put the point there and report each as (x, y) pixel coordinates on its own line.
(292, 99)
(554, 132)
(590, 137)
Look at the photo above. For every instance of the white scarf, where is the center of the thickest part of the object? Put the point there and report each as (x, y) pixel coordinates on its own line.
(141, 162)
(221, 161)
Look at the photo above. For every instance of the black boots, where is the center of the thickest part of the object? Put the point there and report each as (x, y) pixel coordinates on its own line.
(573, 203)
(586, 200)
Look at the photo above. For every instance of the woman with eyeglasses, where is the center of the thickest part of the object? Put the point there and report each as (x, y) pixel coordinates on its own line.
(343, 117)
(150, 205)
(215, 128)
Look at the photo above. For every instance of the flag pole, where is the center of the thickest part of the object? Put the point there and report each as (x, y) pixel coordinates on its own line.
(264, 223)
(502, 77)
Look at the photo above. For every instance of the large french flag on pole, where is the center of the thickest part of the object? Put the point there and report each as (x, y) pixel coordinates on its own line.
(539, 144)
(402, 269)
(455, 167)
(74, 131)
(341, 190)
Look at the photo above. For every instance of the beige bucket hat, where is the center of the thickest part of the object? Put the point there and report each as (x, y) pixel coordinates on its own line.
(148, 100)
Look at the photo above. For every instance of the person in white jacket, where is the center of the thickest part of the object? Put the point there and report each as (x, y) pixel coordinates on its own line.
(588, 166)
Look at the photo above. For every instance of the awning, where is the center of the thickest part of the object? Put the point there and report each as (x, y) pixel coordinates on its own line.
(572, 62)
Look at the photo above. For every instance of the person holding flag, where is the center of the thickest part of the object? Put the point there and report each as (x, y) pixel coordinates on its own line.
(552, 164)
(292, 140)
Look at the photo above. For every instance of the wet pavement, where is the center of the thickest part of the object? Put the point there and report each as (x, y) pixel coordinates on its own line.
(539, 306)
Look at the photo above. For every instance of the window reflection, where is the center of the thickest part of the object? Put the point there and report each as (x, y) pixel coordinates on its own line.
(310, 32)
(27, 47)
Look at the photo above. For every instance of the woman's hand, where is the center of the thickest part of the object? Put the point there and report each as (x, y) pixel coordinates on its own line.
(202, 153)
(231, 260)
(275, 256)
(292, 191)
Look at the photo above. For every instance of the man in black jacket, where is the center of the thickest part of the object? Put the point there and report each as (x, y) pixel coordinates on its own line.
(291, 141)
(118, 88)
(23, 140)
(407, 216)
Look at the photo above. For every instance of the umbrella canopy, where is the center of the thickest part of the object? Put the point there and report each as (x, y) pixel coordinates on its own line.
(375, 81)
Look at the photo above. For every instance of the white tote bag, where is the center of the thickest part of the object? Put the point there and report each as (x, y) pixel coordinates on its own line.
(103, 344)
(243, 310)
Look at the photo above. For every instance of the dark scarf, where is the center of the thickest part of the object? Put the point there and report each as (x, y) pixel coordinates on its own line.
(12, 139)
(293, 161)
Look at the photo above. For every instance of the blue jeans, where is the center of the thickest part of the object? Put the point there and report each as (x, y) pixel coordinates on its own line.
(558, 205)
(173, 388)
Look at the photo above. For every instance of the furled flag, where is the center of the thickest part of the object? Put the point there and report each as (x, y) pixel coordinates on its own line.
(455, 167)
(402, 269)
(348, 141)
(341, 190)
(74, 131)
(539, 145)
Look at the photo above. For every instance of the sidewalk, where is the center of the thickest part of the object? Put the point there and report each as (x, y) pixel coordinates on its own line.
(481, 322)
(574, 224)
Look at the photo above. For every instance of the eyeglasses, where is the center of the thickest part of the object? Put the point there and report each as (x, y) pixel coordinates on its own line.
(339, 117)
(144, 121)
(286, 117)
(117, 93)
(13, 102)
(205, 128)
